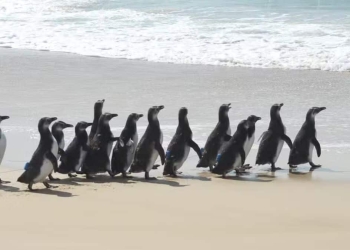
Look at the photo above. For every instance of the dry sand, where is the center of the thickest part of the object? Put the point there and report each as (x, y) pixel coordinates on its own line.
(203, 212)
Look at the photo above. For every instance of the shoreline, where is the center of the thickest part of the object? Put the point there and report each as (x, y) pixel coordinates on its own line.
(169, 63)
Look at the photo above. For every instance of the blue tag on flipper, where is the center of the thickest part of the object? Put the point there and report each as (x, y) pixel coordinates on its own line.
(26, 166)
(167, 155)
(218, 157)
(202, 150)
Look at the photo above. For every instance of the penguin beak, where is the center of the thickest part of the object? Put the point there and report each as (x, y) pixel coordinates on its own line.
(229, 105)
(88, 124)
(112, 116)
(140, 115)
(160, 107)
(318, 110)
(52, 119)
(103, 100)
(281, 105)
(4, 117)
(68, 125)
(257, 118)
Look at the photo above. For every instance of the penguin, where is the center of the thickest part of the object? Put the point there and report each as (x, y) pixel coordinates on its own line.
(150, 145)
(97, 159)
(305, 142)
(43, 160)
(251, 133)
(73, 158)
(97, 114)
(57, 132)
(233, 154)
(179, 147)
(3, 144)
(123, 156)
(273, 139)
(220, 134)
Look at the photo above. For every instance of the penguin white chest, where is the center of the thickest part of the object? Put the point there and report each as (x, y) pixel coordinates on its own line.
(2, 146)
(82, 155)
(54, 148)
(154, 154)
(279, 149)
(45, 169)
(311, 149)
(184, 158)
(248, 144)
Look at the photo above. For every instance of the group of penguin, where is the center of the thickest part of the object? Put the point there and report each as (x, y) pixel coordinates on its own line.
(223, 153)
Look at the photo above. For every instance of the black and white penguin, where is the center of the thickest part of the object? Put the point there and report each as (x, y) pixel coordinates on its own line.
(179, 147)
(305, 142)
(150, 145)
(43, 161)
(273, 139)
(97, 114)
(97, 159)
(220, 134)
(57, 132)
(233, 155)
(3, 144)
(251, 133)
(73, 158)
(123, 156)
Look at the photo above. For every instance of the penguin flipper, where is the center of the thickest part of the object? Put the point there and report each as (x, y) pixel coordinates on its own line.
(317, 146)
(227, 137)
(161, 152)
(287, 140)
(195, 147)
(50, 156)
(242, 153)
(61, 152)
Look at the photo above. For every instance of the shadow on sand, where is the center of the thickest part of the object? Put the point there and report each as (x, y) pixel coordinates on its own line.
(160, 182)
(50, 191)
(241, 178)
(189, 177)
(6, 188)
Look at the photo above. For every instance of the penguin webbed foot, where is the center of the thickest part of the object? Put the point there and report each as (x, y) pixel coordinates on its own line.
(156, 166)
(72, 175)
(47, 185)
(125, 175)
(112, 173)
(149, 178)
(292, 166)
(30, 187)
(314, 166)
(51, 178)
(274, 168)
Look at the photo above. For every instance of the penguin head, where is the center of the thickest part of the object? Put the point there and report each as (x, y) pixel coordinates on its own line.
(253, 119)
(243, 125)
(275, 109)
(183, 112)
(223, 110)
(109, 116)
(153, 112)
(99, 105)
(134, 117)
(313, 112)
(81, 126)
(44, 123)
(4, 117)
(60, 125)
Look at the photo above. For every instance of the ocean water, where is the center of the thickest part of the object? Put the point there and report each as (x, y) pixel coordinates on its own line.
(288, 34)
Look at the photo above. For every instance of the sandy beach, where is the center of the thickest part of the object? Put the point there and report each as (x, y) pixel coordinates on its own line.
(203, 212)
(259, 211)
